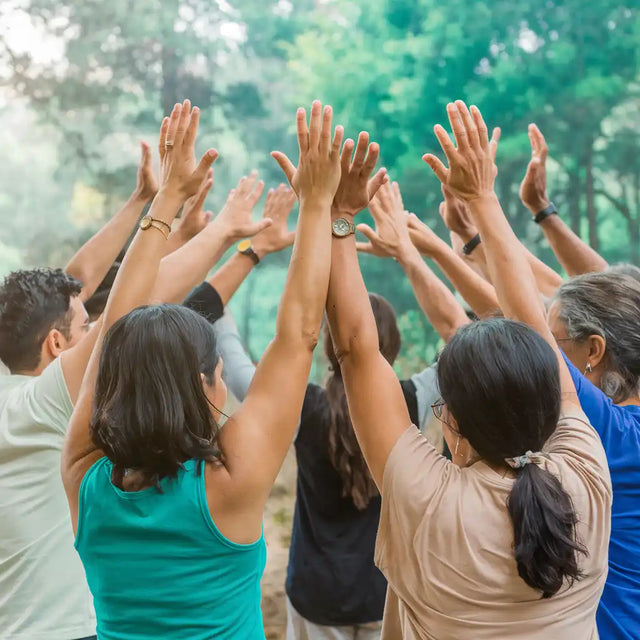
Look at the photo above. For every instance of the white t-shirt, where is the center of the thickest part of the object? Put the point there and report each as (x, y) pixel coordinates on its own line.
(43, 589)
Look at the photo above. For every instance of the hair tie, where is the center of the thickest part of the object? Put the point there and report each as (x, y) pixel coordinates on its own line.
(522, 461)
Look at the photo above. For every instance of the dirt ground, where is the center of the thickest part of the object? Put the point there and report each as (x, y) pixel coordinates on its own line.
(277, 531)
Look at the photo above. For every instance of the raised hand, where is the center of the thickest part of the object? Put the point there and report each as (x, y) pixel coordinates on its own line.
(391, 236)
(235, 217)
(455, 216)
(146, 184)
(179, 173)
(318, 172)
(276, 237)
(194, 217)
(533, 190)
(357, 188)
(423, 238)
(472, 171)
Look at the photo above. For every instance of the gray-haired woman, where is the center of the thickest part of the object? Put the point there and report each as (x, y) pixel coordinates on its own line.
(594, 318)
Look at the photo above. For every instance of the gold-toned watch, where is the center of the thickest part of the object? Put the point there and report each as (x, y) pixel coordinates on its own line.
(341, 228)
(246, 249)
(148, 222)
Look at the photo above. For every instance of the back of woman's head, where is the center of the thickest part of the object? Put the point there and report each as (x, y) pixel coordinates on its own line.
(150, 411)
(344, 450)
(500, 382)
(607, 304)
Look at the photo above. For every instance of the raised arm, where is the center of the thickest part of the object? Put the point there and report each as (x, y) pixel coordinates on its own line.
(133, 284)
(256, 438)
(391, 239)
(94, 259)
(471, 176)
(376, 403)
(575, 256)
(275, 237)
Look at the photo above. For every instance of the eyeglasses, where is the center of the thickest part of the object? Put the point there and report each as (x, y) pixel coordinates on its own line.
(438, 409)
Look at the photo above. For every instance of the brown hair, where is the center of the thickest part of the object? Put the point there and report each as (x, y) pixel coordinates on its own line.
(344, 450)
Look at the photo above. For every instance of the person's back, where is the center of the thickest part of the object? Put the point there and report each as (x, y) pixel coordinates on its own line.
(155, 555)
(43, 589)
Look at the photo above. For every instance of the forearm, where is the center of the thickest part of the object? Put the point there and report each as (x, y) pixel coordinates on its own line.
(302, 304)
(228, 278)
(238, 369)
(182, 270)
(508, 265)
(93, 260)
(438, 303)
(176, 241)
(546, 278)
(476, 291)
(575, 255)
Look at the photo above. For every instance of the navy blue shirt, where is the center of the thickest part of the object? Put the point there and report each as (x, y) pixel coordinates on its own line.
(619, 429)
(331, 578)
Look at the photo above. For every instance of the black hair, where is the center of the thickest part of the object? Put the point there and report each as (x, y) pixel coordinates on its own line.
(344, 451)
(501, 383)
(32, 303)
(150, 410)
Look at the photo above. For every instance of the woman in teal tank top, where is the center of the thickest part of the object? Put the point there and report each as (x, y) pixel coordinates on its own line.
(167, 507)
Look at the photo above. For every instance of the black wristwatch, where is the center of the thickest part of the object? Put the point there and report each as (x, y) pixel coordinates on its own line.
(246, 249)
(471, 245)
(545, 213)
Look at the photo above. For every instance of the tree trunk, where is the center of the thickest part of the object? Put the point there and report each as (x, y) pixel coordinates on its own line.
(592, 216)
(634, 222)
(574, 201)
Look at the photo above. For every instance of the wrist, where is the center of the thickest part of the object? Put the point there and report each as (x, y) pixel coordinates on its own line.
(316, 201)
(336, 212)
(141, 197)
(165, 206)
(538, 205)
(407, 255)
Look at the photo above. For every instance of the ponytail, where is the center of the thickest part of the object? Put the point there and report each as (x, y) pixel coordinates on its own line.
(544, 528)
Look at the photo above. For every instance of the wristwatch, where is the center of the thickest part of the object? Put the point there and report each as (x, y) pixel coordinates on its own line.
(471, 245)
(550, 210)
(341, 228)
(246, 249)
(164, 228)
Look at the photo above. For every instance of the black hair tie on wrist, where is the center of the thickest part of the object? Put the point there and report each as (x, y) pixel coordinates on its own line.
(471, 245)
(545, 213)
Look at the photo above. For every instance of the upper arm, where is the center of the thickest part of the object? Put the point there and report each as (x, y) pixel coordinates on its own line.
(255, 440)
(75, 360)
(377, 406)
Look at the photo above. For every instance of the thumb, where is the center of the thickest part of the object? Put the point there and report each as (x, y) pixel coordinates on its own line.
(207, 216)
(367, 232)
(285, 164)
(290, 238)
(256, 227)
(364, 247)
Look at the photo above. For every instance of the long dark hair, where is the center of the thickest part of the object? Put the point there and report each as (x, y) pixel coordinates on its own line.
(501, 383)
(344, 450)
(150, 410)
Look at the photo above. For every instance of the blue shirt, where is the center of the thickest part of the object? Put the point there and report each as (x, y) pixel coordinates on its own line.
(157, 565)
(619, 429)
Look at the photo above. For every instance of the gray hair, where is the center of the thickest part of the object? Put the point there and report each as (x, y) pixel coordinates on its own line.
(607, 304)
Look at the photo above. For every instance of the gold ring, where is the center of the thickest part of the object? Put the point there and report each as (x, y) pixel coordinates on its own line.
(168, 143)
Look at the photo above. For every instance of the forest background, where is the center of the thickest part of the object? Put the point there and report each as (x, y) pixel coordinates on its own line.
(82, 82)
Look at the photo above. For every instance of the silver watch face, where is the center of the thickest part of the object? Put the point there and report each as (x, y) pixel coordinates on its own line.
(341, 227)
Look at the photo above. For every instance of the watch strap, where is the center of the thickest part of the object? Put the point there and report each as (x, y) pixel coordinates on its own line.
(163, 227)
(545, 213)
(249, 252)
(471, 245)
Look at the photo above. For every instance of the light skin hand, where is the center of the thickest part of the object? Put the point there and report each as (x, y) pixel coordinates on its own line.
(194, 217)
(146, 184)
(277, 208)
(423, 238)
(533, 190)
(391, 236)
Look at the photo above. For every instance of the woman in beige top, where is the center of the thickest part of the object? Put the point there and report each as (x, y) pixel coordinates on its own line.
(510, 539)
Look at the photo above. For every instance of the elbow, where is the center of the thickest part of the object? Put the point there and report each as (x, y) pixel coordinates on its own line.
(357, 347)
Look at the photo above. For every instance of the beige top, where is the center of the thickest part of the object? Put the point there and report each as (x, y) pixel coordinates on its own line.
(445, 544)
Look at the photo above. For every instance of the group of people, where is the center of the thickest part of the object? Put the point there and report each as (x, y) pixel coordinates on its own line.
(495, 494)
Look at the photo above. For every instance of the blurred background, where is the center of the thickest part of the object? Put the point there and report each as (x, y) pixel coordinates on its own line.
(81, 82)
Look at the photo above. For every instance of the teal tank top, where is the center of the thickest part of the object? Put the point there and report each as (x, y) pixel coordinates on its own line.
(157, 565)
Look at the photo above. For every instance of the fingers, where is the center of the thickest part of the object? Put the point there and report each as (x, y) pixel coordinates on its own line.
(397, 195)
(345, 158)
(481, 127)
(245, 184)
(457, 126)
(325, 134)
(337, 140)
(185, 117)
(364, 247)
(301, 128)
(255, 227)
(203, 192)
(192, 128)
(164, 128)
(370, 161)
(367, 232)
(145, 156)
(205, 164)
(538, 141)
(437, 167)
(315, 124)
(256, 194)
(469, 124)
(385, 197)
(285, 164)
(172, 128)
(361, 151)
(493, 143)
(379, 180)
(445, 142)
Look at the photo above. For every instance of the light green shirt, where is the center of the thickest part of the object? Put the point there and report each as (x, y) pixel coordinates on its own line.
(43, 590)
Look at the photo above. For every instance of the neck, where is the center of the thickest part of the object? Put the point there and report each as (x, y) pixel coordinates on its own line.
(634, 401)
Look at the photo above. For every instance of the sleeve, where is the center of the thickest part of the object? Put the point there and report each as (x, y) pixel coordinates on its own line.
(49, 398)
(427, 393)
(314, 401)
(411, 398)
(238, 370)
(414, 477)
(206, 301)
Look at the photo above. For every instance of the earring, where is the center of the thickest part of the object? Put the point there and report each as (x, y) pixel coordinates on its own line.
(455, 453)
(588, 369)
